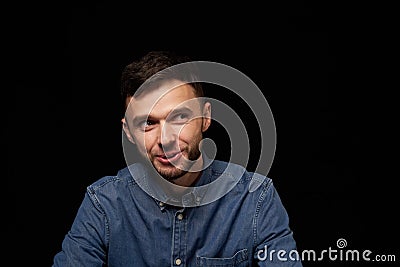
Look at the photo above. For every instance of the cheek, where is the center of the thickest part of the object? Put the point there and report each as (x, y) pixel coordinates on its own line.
(145, 141)
(190, 132)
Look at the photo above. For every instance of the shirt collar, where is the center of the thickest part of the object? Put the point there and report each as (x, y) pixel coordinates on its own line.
(195, 195)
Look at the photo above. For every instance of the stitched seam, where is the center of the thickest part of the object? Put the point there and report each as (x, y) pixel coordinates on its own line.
(266, 186)
(96, 202)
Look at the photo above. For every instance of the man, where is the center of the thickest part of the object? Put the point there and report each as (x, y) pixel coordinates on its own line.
(167, 209)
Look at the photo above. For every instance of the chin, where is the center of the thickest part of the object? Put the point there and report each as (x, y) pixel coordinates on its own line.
(171, 174)
(168, 172)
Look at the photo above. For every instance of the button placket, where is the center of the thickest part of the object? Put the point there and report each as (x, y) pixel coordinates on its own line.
(179, 238)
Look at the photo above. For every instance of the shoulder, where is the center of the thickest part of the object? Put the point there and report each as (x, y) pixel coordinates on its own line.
(246, 180)
(122, 180)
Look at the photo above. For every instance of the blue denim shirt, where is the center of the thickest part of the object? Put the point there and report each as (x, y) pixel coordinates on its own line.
(119, 224)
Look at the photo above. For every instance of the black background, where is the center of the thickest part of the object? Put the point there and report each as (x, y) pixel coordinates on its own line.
(324, 69)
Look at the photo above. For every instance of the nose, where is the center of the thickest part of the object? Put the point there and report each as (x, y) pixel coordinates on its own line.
(168, 136)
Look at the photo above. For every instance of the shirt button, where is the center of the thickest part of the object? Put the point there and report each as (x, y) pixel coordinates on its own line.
(161, 204)
(178, 261)
(180, 216)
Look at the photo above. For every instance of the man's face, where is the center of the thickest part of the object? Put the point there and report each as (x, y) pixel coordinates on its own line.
(166, 126)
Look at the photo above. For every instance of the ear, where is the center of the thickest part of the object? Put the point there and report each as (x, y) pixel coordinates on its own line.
(125, 127)
(206, 116)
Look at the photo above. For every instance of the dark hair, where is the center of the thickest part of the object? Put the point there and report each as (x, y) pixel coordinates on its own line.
(155, 65)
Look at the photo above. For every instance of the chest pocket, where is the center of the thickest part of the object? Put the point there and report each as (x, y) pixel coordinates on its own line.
(238, 260)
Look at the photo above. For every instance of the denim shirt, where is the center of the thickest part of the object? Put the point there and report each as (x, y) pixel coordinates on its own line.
(119, 224)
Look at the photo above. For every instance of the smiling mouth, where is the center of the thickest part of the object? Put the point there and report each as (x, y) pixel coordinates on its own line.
(168, 158)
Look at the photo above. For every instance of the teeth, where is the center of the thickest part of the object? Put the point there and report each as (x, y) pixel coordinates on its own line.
(171, 156)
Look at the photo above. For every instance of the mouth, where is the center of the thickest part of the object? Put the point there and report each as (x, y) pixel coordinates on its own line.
(170, 157)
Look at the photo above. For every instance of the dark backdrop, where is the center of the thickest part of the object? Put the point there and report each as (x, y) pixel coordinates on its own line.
(322, 69)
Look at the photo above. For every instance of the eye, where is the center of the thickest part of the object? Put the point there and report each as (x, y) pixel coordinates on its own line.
(146, 124)
(180, 118)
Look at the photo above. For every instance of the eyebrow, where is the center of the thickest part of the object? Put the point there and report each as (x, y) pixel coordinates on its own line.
(140, 118)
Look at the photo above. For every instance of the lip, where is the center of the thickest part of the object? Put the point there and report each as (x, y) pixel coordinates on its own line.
(169, 157)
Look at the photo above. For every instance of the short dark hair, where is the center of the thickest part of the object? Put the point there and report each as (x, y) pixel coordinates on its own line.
(154, 62)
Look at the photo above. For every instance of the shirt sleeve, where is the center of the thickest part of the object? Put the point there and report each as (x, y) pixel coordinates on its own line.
(84, 244)
(274, 242)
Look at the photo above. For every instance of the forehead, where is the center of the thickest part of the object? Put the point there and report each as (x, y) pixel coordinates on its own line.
(163, 99)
